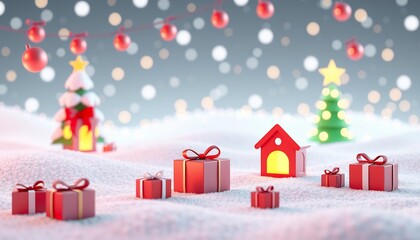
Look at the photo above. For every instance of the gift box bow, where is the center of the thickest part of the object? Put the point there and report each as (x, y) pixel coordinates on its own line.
(364, 158)
(73, 116)
(79, 184)
(333, 172)
(158, 175)
(262, 190)
(202, 156)
(38, 185)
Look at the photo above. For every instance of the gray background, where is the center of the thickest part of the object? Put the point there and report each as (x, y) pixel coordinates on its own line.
(199, 77)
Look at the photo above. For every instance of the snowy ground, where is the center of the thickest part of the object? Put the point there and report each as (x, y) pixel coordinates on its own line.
(307, 211)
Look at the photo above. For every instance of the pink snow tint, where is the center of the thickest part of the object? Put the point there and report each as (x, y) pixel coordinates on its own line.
(307, 211)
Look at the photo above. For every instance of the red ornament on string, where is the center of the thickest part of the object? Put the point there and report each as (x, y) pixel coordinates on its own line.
(168, 32)
(122, 42)
(34, 59)
(355, 50)
(78, 45)
(265, 9)
(219, 19)
(341, 11)
(36, 32)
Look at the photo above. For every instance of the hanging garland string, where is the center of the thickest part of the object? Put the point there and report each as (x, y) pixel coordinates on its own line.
(33, 59)
(135, 29)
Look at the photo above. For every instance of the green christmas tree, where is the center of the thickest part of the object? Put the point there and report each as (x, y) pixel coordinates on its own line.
(79, 116)
(332, 125)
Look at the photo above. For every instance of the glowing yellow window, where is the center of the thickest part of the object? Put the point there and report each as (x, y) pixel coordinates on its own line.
(67, 134)
(85, 139)
(278, 163)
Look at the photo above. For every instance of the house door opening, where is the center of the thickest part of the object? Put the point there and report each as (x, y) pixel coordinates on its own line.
(278, 163)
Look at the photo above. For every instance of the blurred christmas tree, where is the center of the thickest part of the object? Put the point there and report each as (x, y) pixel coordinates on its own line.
(331, 121)
(79, 118)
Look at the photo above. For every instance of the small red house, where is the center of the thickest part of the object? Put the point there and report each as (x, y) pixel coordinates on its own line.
(281, 156)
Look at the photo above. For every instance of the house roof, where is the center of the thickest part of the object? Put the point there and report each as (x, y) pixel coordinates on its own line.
(283, 134)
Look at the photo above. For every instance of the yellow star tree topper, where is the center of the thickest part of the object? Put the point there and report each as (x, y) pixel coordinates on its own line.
(332, 74)
(79, 64)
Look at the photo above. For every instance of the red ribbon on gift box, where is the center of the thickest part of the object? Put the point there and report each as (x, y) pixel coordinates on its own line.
(330, 173)
(77, 187)
(364, 158)
(333, 172)
(84, 114)
(262, 190)
(38, 185)
(202, 156)
(158, 175)
(366, 162)
(269, 189)
(148, 176)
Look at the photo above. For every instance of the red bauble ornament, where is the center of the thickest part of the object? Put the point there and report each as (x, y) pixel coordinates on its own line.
(168, 32)
(34, 59)
(265, 9)
(219, 19)
(355, 50)
(122, 42)
(78, 45)
(36, 33)
(341, 11)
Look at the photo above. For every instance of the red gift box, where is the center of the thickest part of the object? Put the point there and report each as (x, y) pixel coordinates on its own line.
(109, 147)
(373, 174)
(153, 186)
(202, 173)
(265, 198)
(71, 202)
(332, 178)
(29, 199)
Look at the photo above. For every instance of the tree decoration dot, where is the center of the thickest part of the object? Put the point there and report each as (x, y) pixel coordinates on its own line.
(34, 59)
(219, 19)
(168, 31)
(122, 42)
(78, 44)
(36, 32)
(355, 50)
(341, 11)
(265, 9)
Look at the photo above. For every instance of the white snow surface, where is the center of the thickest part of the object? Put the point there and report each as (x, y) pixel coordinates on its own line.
(60, 115)
(71, 99)
(307, 210)
(90, 99)
(77, 80)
